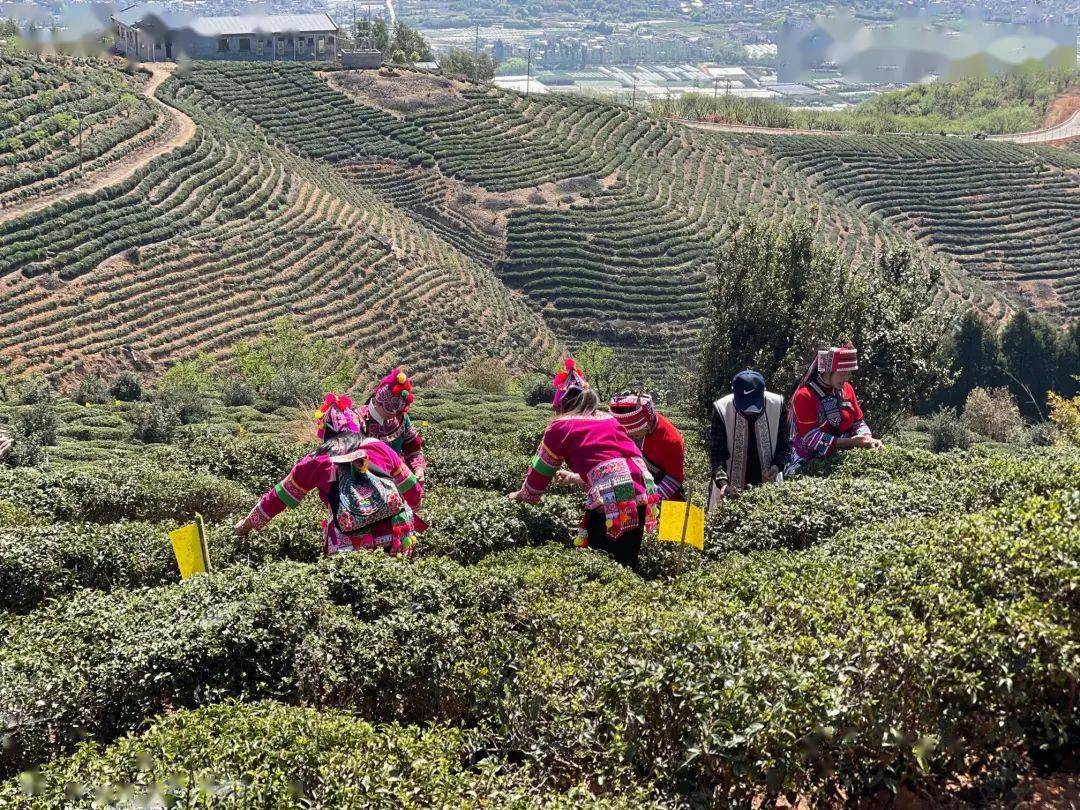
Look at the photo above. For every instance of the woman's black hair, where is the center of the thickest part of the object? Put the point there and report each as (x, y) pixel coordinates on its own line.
(338, 444)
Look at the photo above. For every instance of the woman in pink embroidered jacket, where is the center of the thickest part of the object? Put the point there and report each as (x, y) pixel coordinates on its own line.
(318, 471)
(621, 499)
(386, 416)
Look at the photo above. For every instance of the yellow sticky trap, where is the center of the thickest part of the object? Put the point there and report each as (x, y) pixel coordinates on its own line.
(682, 523)
(189, 546)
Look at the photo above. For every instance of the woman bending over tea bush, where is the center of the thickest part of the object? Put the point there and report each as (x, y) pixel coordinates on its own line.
(368, 488)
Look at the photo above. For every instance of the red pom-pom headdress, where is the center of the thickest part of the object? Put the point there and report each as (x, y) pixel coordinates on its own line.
(568, 382)
(336, 413)
(394, 393)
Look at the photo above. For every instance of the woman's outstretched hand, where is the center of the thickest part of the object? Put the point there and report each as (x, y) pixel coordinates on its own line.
(514, 496)
(243, 528)
(568, 479)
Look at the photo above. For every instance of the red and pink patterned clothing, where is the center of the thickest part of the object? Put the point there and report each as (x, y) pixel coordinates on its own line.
(319, 473)
(821, 416)
(598, 449)
(399, 432)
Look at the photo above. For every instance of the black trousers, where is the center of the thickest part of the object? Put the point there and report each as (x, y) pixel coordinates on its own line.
(626, 549)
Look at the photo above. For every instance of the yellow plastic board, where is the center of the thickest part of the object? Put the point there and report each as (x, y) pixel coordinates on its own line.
(189, 546)
(679, 524)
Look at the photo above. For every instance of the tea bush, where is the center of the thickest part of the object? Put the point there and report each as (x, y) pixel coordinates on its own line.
(882, 657)
(870, 488)
(947, 432)
(44, 561)
(293, 755)
(134, 491)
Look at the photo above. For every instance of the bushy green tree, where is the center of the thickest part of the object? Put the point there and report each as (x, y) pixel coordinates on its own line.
(1029, 350)
(973, 352)
(184, 390)
(606, 373)
(126, 387)
(780, 293)
(290, 367)
(460, 64)
(92, 389)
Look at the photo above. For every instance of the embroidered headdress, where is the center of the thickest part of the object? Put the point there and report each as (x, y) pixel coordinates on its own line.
(568, 383)
(633, 411)
(394, 393)
(336, 413)
(838, 358)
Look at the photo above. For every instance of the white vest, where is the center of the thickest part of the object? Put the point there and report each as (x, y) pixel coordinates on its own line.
(766, 432)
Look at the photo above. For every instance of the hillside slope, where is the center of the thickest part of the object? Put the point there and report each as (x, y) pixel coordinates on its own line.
(207, 243)
(408, 212)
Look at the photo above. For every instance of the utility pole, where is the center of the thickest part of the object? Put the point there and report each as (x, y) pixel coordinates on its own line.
(80, 144)
(633, 97)
(528, 74)
(715, 87)
(354, 31)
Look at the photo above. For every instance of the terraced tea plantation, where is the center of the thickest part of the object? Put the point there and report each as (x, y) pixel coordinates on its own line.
(207, 243)
(900, 622)
(409, 212)
(1001, 212)
(64, 122)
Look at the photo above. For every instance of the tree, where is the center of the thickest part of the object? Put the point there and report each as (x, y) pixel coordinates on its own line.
(779, 294)
(183, 390)
(974, 355)
(1067, 383)
(289, 367)
(459, 64)
(604, 371)
(1029, 350)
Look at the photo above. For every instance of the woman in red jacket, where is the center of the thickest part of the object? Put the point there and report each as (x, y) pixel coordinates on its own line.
(825, 415)
(660, 441)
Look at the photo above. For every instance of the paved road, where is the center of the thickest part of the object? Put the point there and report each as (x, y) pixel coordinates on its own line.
(1067, 130)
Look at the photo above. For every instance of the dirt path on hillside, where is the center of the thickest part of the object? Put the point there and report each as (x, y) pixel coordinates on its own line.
(1063, 108)
(181, 130)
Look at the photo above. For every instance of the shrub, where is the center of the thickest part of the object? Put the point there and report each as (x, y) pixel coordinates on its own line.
(487, 374)
(92, 390)
(993, 412)
(126, 387)
(947, 432)
(152, 423)
(1065, 416)
(864, 488)
(699, 686)
(182, 390)
(235, 392)
(255, 462)
(294, 387)
(134, 491)
(537, 391)
(296, 756)
(466, 525)
(36, 391)
(37, 424)
(292, 368)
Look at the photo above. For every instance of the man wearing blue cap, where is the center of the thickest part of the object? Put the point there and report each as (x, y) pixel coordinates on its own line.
(749, 442)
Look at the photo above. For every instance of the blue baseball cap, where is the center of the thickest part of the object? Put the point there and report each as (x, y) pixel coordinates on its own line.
(749, 390)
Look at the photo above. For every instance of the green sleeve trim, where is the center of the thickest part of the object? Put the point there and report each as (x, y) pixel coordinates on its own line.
(542, 467)
(286, 498)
